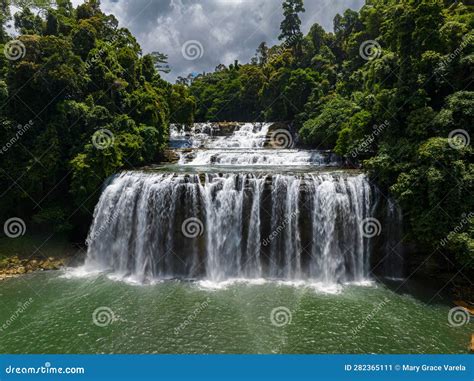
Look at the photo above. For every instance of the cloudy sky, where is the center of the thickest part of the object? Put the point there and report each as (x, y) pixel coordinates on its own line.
(199, 35)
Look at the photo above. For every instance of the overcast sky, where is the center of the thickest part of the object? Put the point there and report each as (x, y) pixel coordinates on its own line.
(199, 35)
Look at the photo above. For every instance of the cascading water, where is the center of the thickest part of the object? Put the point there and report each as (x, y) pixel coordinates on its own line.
(199, 222)
(233, 225)
(246, 146)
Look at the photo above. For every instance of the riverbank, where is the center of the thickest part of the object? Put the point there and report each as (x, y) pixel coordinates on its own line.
(27, 254)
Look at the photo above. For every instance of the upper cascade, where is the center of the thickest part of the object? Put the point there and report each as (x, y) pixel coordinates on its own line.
(207, 135)
(246, 144)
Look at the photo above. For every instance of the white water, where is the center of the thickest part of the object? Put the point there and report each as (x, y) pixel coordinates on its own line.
(217, 227)
(204, 135)
(247, 145)
(250, 226)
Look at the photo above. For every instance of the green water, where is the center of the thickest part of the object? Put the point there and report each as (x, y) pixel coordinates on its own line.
(180, 317)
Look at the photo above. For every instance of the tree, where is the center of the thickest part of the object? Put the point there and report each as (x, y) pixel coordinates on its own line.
(290, 26)
(4, 17)
(262, 53)
(27, 22)
(182, 105)
(161, 62)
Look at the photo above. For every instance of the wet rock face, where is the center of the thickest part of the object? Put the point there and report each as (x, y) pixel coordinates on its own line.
(14, 266)
(225, 128)
(170, 156)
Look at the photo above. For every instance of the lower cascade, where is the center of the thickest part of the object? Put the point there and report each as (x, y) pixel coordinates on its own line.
(152, 225)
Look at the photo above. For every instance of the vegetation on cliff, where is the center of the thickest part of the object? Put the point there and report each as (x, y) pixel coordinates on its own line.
(79, 102)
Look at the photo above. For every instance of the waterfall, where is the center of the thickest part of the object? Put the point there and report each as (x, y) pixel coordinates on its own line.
(205, 135)
(245, 226)
(236, 209)
(246, 145)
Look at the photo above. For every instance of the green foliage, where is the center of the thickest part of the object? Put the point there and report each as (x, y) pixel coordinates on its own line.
(323, 130)
(80, 76)
(436, 193)
(182, 105)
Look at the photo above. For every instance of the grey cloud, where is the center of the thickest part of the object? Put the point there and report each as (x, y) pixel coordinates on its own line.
(226, 29)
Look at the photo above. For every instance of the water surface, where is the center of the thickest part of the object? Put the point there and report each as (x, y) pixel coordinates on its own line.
(230, 317)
